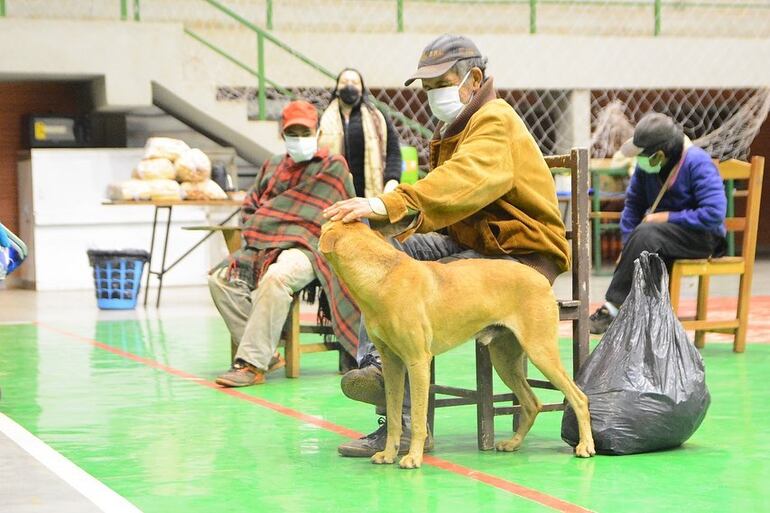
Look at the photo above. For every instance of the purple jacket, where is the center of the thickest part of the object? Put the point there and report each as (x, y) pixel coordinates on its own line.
(695, 200)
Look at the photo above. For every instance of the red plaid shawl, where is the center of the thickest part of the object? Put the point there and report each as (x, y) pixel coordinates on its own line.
(283, 210)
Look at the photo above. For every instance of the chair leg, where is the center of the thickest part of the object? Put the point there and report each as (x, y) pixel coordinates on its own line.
(293, 349)
(675, 288)
(517, 416)
(744, 294)
(485, 414)
(432, 397)
(701, 311)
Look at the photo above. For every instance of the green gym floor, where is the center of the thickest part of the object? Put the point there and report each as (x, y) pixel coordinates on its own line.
(132, 403)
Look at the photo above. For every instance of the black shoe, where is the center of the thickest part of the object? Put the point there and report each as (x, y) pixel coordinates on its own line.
(366, 446)
(600, 320)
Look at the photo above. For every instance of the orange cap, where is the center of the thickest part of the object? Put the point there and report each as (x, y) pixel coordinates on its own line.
(299, 112)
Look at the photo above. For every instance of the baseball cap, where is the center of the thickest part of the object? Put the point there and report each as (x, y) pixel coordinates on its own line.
(441, 54)
(651, 134)
(299, 112)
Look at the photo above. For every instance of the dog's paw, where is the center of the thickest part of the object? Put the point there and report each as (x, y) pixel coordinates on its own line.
(411, 461)
(383, 457)
(585, 449)
(509, 445)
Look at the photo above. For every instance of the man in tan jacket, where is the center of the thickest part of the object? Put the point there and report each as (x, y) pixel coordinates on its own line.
(489, 191)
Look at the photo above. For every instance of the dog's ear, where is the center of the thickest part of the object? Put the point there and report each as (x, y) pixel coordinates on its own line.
(327, 241)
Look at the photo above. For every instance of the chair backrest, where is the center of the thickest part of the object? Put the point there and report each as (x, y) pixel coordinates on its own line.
(750, 174)
(578, 232)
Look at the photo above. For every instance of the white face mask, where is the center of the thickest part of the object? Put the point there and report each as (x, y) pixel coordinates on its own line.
(301, 149)
(445, 102)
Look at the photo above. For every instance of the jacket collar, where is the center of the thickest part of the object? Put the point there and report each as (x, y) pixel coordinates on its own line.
(483, 96)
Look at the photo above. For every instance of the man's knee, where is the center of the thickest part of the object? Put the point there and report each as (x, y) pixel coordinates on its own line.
(275, 277)
(215, 281)
(647, 234)
(429, 246)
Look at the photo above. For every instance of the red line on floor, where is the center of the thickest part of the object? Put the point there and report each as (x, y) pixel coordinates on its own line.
(500, 483)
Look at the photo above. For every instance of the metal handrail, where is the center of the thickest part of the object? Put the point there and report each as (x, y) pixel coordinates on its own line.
(657, 6)
(268, 36)
(240, 64)
(260, 73)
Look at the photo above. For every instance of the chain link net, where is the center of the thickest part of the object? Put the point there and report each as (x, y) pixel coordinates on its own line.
(541, 110)
(724, 122)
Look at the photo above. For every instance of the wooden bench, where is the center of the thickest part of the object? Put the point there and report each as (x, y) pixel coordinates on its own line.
(573, 309)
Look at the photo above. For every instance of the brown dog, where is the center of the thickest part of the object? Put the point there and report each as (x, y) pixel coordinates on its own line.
(415, 310)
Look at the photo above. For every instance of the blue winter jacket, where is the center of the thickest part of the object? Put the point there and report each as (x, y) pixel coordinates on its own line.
(695, 200)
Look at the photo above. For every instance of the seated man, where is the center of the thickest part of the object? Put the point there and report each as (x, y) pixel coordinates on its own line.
(281, 219)
(675, 206)
(489, 188)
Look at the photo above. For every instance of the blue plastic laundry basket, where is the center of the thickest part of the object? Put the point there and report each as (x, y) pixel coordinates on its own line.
(117, 276)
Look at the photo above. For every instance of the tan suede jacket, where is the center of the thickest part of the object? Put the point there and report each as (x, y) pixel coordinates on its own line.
(490, 187)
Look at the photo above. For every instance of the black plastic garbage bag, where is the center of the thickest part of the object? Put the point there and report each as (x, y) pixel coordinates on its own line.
(645, 380)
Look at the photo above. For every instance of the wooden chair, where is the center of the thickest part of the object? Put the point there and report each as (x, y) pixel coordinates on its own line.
(290, 338)
(574, 309)
(293, 349)
(750, 173)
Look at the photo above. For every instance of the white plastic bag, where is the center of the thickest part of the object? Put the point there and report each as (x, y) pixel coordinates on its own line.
(208, 190)
(129, 190)
(193, 166)
(164, 190)
(164, 148)
(154, 169)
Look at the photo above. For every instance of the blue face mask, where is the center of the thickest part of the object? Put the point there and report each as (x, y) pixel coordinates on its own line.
(644, 164)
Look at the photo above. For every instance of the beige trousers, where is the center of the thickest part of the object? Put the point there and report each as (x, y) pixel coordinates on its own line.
(256, 317)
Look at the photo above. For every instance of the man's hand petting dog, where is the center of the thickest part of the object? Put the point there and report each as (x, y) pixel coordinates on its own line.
(352, 209)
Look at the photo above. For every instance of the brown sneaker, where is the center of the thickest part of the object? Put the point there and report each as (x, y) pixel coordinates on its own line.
(276, 362)
(241, 374)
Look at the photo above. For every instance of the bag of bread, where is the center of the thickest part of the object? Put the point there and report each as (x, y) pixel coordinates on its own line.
(154, 169)
(207, 190)
(164, 148)
(193, 166)
(129, 190)
(164, 190)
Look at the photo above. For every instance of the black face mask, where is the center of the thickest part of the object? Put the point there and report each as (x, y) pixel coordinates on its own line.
(349, 94)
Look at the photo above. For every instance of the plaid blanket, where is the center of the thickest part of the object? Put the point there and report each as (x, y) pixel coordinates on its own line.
(283, 210)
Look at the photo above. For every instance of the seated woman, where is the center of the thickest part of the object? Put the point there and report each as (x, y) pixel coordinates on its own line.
(352, 127)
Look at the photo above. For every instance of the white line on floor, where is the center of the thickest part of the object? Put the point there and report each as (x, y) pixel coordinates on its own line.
(87, 485)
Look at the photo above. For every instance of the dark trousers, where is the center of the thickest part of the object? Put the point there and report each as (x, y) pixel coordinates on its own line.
(670, 241)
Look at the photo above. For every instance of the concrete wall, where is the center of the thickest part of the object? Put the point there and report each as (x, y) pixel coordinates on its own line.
(134, 65)
(62, 216)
